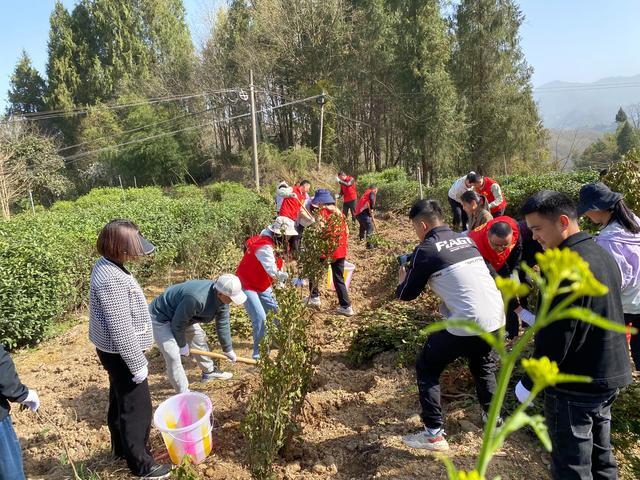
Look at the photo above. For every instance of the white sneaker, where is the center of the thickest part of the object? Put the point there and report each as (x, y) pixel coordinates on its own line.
(312, 301)
(425, 441)
(346, 311)
(216, 375)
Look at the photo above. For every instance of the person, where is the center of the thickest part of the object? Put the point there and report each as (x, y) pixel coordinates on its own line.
(620, 236)
(364, 214)
(12, 390)
(336, 227)
(293, 200)
(578, 415)
(120, 328)
(499, 243)
(452, 266)
(491, 190)
(176, 316)
(475, 208)
(260, 267)
(282, 186)
(460, 215)
(348, 193)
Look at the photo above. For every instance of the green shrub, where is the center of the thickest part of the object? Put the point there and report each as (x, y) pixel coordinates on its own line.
(624, 177)
(46, 259)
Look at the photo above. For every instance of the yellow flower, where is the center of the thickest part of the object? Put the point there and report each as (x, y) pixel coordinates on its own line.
(568, 268)
(545, 373)
(511, 287)
(473, 475)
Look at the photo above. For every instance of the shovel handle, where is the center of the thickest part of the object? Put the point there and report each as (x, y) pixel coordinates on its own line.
(220, 356)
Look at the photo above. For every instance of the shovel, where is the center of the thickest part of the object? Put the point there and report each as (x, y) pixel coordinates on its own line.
(220, 356)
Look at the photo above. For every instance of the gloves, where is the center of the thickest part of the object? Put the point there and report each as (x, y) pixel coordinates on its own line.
(32, 402)
(184, 351)
(281, 276)
(521, 392)
(231, 355)
(526, 316)
(141, 376)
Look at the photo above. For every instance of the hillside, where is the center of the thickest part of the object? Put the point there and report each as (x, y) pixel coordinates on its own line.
(567, 105)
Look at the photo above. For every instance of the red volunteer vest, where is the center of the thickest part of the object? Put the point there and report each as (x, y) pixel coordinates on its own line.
(363, 203)
(481, 237)
(291, 206)
(486, 191)
(339, 230)
(251, 273)
(348, 193)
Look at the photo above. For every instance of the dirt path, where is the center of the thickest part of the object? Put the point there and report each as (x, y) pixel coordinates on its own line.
(353, 419)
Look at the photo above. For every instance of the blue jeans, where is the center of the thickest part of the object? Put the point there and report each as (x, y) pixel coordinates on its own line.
(10, 453)
(258, 306)
(580, 430)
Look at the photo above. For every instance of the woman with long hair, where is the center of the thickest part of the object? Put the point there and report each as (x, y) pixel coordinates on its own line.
(620, 236)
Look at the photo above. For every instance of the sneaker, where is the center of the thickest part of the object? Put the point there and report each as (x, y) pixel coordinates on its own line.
(216, 374)
(426, 441)
(485, 417)
(346, 311)
(312, 301)
(158, 472)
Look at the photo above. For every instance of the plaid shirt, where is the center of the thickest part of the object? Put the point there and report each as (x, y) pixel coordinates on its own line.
(119, 320)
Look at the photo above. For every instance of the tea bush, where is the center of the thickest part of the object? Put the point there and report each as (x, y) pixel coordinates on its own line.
(46, 259)
(624, 177)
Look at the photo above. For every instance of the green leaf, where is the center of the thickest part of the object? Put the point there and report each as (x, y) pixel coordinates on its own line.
(467, 325)
(586, 315)
(518, 421)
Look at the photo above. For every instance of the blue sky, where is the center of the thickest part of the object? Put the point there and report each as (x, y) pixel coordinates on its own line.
(570, 40)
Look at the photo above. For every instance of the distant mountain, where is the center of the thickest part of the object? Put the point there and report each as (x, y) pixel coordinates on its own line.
(566, 105)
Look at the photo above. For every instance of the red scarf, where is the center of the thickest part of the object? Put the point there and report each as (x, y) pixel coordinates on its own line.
(481, 237)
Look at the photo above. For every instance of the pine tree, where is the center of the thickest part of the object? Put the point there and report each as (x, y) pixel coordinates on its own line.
(627, 139)
(493, 80)
(26, 89)
(621, 116)
(63, 79)
(423, 55)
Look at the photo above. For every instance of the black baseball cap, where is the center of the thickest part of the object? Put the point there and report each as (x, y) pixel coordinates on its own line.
(596, 196)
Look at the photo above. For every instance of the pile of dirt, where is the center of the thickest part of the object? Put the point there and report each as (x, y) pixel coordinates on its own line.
(352, 420)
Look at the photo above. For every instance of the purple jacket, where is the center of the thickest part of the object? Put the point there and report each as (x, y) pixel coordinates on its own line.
(625, 248)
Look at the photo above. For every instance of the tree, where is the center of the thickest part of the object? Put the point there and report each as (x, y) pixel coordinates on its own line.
(28, 161)
(627, 139)
(600, 153)
(493, 80)
(621, 116)
(430, 116)
(26, 89)
(62, 76)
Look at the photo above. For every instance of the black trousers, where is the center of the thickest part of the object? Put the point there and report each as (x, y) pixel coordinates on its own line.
(580, 430)
(442, 348)
(366, 225)
(634, 320)
(512, 326)
(349, 207)
(460, 217)
(337, 272)
(129, 415)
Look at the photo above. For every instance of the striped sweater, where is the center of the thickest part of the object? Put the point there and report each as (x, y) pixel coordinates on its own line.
(119, 320)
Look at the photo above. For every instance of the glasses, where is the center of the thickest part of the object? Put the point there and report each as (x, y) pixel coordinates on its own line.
(499, 247)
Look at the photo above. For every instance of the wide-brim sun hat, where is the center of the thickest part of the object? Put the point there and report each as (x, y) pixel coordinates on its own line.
(597, 196)
(230, 286)
(283, 224)
(322, 197)
(147, 247)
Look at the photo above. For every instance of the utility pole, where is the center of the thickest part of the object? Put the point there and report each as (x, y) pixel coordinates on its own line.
(321, 100)
(33, 207)
(420, 182)
(254, 133)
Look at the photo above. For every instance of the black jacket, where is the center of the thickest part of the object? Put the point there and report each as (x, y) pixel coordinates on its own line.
(580, 348)
(11, 389)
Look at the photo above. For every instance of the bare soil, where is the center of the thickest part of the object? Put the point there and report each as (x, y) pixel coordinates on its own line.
(352, 421)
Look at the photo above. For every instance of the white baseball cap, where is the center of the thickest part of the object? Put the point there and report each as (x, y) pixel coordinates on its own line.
(230, 286)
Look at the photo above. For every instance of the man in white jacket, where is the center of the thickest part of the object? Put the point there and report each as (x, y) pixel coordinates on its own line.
(460, 186)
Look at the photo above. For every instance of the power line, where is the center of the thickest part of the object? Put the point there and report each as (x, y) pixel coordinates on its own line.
(73, 158)
(48, 114)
